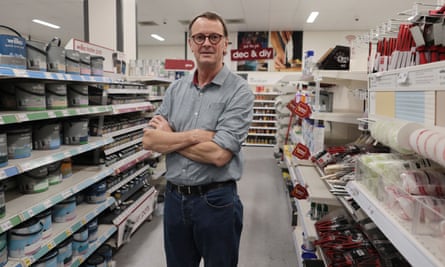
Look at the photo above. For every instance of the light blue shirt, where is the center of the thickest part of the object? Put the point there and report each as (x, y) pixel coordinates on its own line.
(225, 106)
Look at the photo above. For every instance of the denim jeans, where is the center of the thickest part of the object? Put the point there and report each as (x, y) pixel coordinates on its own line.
(204, 226)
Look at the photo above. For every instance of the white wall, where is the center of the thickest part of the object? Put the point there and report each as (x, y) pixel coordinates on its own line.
(320, 42)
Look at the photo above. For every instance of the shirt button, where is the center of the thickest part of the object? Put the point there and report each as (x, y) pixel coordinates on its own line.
(200, 94)
(183, 170)
(196, 113)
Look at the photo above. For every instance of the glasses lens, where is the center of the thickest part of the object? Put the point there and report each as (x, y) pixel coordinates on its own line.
(199, 38)
(214, 38)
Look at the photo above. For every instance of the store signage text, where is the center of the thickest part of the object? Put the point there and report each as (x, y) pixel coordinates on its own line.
(251, 54)
(179, 64)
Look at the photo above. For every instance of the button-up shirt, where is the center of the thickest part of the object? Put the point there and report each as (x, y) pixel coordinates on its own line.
(223, 106)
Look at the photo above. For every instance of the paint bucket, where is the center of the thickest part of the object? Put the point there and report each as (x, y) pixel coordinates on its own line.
(8, 100)
(3, 150)
(55, 56)
(46, 220)
(48, 260)
(34, 181)
(75, 132)
(80, 242)
(36, 55)
(19, 143)
(92, 230)
(65, 211)
(3, 249)
(85, 64)
(72, 61)
(65, 250)
(97, 65)
(106, 251)
(96, 193)
(2, 202)
(46, 136)
(95, 260)
(56, 96)
(12, 49)
(24, 239)
(54, 173)
(66, 168)
(30, 96)
(77, 95)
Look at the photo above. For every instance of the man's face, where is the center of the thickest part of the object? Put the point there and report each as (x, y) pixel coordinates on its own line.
(207, 42)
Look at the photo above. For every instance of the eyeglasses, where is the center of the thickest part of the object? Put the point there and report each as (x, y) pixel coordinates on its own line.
(200, 38)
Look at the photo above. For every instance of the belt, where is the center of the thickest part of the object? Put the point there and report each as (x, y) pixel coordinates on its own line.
(198, 189)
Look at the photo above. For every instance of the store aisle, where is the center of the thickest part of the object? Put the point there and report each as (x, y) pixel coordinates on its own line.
(266, 240)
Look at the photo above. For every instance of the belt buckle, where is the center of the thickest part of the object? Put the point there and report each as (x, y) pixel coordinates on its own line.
(185, 189)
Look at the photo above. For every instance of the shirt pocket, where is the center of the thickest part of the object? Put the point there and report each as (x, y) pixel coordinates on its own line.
(208, 119)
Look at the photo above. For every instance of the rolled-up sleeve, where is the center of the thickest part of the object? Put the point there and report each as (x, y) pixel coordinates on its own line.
(233, 125)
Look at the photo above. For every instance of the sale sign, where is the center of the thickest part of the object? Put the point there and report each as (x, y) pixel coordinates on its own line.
(251, 54)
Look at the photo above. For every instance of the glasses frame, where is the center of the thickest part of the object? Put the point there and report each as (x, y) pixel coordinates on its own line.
(207, 36)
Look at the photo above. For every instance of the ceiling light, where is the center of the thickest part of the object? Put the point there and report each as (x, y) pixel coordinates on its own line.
(157, 37)
(312, 17)
(47, 24)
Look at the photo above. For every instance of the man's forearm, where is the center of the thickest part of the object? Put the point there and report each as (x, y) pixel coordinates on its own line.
(207, 152)
(166, 142)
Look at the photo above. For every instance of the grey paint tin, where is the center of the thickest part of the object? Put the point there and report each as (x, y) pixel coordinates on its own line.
(56, 96)
(75, 132)
(30, 96)
(47, 136)
(77, 95)
(36, 55)
(72, 61)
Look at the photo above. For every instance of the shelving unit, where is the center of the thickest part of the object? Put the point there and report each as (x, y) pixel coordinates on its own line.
(21, 207)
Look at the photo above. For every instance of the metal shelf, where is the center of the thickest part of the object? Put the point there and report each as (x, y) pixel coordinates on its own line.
(120, 147)
(344, 117)
(53, 76)
(130, 161)
(21, 207)
(124, 131)
(128, 179)
(61, 231)
(149, 80)
(418, 250)
(132, 107)
(42, 157)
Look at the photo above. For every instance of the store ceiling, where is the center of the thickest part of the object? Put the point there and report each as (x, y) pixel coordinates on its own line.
(252, 15)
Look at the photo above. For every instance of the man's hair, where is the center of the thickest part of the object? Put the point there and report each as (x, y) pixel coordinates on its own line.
(210, 16)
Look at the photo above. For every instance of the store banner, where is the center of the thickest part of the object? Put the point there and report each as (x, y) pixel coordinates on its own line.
(251, 54)
(179, 64)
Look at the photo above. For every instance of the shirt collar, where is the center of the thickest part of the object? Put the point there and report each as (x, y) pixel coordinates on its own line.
(219, 78)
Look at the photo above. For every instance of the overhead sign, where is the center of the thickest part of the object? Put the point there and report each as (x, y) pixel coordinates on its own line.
(179, 64)
(251, 54)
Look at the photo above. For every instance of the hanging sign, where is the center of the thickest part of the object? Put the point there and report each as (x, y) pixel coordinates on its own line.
(251, 54)
(300, 109)
(299, 192)
(301, 151)
(179, 64)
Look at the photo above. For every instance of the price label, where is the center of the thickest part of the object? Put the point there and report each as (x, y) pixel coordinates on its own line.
(21, 73)
(22, 117)
(51, 114)
(68, 232)
(31, 213)
(27, 261)
(1, 120)
(84, 221)
(51, 245)
(66, 194)
(6, 225)
(47, 203)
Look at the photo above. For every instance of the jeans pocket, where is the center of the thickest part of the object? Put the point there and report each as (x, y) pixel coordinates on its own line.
(220, 198)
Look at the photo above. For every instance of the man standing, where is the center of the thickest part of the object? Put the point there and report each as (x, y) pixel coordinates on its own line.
(201, 125)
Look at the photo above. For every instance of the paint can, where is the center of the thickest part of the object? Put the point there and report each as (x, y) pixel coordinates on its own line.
(24, 239)
(46, 136)
(96, 193)
(77, 95)
(72, 61)
(45, 218)
(30, 96)
(48, 260)
(65, 211)
(75, 132)
(55, 56)
(3, 249)
(85, 64)
(56, 97)
(36, 55)
(54, 173)
(65, 250)
(19, 142)
(12, 49)
(97, 65)
(34, 181)
(80, 242)
(3, 150)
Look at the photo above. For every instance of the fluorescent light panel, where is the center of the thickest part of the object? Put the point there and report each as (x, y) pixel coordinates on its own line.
(312, 17)
(157, 37)
(47, 24)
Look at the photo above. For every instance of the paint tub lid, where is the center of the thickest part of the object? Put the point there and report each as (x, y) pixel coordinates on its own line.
(48, 256)
(95, 259)
(29, 227)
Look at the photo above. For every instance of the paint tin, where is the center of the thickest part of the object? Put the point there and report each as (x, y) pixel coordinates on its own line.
(75, 132)
(55, 56)
(54, 173)
(56, 97)
(72, 61)
(77, 95)
(12, 49)
(92, 230)
(46, 220)
(96, 193)
(3, 150)
(97, 65)
(106, 251)
(65, 250)
(30, 96)
(2, 201)
(65, 211)
(80, 242)
(48, 260)
(36, 55)
(24, 239)
(19, 143)
(3, 249)
(66, 168)
(46, 136)
(8, 100)
(85, 64)
(95, 260)
(34, 181)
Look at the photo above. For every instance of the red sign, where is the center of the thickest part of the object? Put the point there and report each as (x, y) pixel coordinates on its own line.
(292, 105)
(251, 54)
(303, 110)
(179, 64)
(301, 151)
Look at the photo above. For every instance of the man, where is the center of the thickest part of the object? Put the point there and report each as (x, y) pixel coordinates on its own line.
(200, 125)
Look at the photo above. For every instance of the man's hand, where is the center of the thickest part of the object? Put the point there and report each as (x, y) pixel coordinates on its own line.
(160, 123)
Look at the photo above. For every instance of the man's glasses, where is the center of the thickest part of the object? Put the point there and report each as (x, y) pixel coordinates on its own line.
(200, 38)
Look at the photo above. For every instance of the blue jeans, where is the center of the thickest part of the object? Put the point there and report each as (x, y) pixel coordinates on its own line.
(204, 226)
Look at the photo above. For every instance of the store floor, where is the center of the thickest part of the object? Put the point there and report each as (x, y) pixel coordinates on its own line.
(266, 239)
